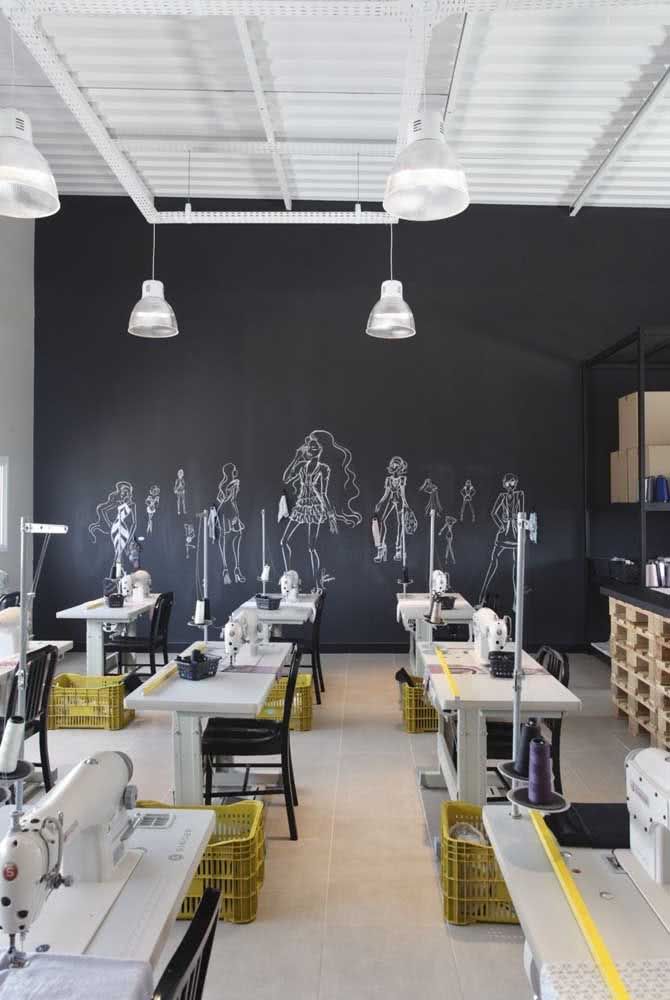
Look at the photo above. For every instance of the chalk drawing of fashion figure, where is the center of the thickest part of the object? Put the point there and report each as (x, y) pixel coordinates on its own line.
(189, 539)
(116, 517)
(448, 528)
(179, 490)
(322, 477)
(509, 503)
(230, 523)
(429, 487)
(468, 493)
(152, 501)
(392, 505)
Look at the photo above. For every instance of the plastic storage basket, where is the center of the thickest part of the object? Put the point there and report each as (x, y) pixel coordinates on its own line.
(233, 861)
(418, 714)
(473, 888)
(198, 670)
(78, 702)
(301, 713)
(267, 602)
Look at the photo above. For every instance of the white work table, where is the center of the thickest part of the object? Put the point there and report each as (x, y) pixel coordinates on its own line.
(139, 921)
(411, 612)
(95, 613)
(480, 696)
(235, 693)
(298, 611)
(562, 966)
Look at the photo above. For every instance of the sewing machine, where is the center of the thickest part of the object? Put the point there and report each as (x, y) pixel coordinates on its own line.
(489, 632)
(289, 585)
(233, 638)
(10, 631)
(648, 794)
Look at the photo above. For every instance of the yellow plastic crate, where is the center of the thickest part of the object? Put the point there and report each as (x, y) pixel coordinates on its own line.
(473, 888)
(233, 861)
(78, 702)
(418, 714)
(301, 714)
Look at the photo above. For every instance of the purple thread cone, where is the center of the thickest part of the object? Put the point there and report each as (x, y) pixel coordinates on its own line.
(539, 772)
(529, 731)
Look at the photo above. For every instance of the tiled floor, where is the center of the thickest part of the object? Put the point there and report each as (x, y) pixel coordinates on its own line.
(352, 911)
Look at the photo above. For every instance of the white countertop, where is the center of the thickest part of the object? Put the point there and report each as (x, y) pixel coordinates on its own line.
(413, 606)
(96, 611)
(289, 612)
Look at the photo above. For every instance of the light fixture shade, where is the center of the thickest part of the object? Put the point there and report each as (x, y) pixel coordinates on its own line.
(153, 316)
(426, 181)
(391, 318)
(27, 186)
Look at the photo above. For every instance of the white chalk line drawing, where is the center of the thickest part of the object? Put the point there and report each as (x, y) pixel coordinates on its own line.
(448, 528)
(393, 505)
(152, 501)
(509, 502)
(189, 538)
(468, 492)
(179, 491)
(429, 487)
(116, 517)
(326, 488)
(230, 524)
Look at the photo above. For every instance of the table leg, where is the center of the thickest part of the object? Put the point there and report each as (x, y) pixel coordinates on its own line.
(187, 756)
(471, 756)
(95, 649)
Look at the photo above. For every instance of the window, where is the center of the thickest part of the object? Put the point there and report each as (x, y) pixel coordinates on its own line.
(4, 473)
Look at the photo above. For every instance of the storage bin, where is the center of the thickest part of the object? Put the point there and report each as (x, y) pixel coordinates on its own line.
(418, 715)
(301, 713)
(473, 888)
(78, 702)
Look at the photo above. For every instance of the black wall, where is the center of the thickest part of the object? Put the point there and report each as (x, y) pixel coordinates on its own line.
(272, 345)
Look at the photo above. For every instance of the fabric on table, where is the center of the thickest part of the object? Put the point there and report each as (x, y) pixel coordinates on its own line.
(644, 980)
(77, 977)
(597, 825)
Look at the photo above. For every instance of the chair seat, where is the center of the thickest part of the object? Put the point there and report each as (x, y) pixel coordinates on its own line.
(234, 737)
(135, 642)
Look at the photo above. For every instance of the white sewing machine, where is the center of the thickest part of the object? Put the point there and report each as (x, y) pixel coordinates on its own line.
(648, 794)
(233, 636)
(10, 631)
(289, 585)
(488, 632)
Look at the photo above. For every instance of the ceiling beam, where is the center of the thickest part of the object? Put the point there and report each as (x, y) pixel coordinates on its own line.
(47, 58)
(256, 147)
(244, 37)
(628, 133)
(352, 9)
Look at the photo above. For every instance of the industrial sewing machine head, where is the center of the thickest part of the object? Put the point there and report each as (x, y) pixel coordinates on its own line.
(484, 624)
(289, 584)
(141, 585)
(10, 631)
(648, 797)
(233, 637)
(76, 833)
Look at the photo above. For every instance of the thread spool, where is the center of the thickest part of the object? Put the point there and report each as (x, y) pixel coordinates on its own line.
(529, 731)
(199, 615)
(540, 785)
(12, 742)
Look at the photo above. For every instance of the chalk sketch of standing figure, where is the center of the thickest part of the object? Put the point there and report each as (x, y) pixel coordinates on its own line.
(179, 491)
(468, 493)
(393, 503)
(230, 523)
(325, 483)
(116, 517)
(152, 501)
(509, 503)
(429, 487)
(448, 526)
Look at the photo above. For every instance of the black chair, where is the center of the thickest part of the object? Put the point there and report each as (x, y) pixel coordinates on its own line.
(10, 600)
(499, 735)
(255, 738)
(308, 639)
(184, 976)
(155, 642)
(40, 667)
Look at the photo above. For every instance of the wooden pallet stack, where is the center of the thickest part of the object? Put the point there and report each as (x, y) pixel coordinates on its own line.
(640, 652)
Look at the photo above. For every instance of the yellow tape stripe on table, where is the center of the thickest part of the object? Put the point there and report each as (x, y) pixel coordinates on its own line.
(592, 936)
(451, 680)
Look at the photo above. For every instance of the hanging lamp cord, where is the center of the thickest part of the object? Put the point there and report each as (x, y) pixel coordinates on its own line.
(153, 254)
(391, 250)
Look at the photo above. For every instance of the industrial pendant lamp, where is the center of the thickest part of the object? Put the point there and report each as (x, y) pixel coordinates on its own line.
(27, 186)
(152, 316)
(391, 318)
(426, 181)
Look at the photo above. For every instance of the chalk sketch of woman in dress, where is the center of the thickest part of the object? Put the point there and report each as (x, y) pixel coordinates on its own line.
(429, 487)
(179, 490)
(393, 504)
(117, 517)
(468, 493)
(325, 483)
(230, 523)
(508, 504)
(152, 501)
(448, 527)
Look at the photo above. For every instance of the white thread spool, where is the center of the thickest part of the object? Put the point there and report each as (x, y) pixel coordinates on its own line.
(12, 741)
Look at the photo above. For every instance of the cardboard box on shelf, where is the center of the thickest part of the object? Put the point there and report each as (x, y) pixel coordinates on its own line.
(657, 464)
(618, 477)
(657, 419)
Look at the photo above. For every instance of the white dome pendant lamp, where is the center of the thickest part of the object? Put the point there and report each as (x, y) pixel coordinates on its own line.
(391, 318)
(27, 186)
(152, 316)
(426, 181)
